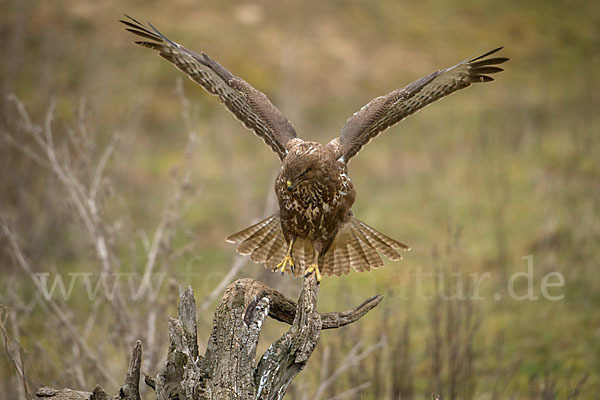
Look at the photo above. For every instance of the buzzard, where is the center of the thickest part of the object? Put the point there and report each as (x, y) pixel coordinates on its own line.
(314, 228)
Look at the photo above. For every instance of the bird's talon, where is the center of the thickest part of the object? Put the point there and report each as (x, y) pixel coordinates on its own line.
(286, 261)
(315, 268)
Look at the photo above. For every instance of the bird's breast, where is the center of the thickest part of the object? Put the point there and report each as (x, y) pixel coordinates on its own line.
(314, 209)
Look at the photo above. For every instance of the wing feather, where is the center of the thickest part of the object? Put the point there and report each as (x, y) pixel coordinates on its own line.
(247, 104)
(386, 111)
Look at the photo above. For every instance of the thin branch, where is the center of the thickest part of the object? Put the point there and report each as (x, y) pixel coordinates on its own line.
(333, 320)
(108, 150)
(285, 310)
(18, 364)
(351, 391)
(351, 360)
(26, 151)
(77, 194)
(237, 265)
(72, 330)
(169, 216)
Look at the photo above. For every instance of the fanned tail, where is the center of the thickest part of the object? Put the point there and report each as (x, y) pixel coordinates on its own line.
(356, 245)
(263, 242)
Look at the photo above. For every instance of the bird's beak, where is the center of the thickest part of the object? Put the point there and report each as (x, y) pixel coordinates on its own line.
(290, 186)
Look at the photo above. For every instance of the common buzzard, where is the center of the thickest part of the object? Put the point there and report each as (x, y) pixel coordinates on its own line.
(314, 228)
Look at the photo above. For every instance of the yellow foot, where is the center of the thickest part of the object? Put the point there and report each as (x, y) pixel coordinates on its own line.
(288, 260)
(310, 269)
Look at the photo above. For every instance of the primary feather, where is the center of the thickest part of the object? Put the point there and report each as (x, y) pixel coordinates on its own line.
(247, 104)
(386, 111)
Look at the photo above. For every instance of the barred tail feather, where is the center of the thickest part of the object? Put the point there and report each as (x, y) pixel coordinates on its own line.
(379, 241)
(246, 233)
(263, 242)
(303, 254)
(356, 245)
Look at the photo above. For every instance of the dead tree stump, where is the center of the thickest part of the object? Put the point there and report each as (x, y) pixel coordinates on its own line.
(228, 370)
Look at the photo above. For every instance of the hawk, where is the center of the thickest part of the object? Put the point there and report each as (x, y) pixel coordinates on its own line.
(314, 228)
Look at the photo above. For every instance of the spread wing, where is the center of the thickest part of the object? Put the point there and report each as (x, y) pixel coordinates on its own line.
(248, 105)
(386, 111)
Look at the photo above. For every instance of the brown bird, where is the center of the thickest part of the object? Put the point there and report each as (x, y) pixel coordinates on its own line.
(314, 228)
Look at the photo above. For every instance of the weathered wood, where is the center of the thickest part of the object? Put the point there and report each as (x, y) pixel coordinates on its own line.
(285, 311)
(289, 354)
(228, 370)
(130, 391)
(62, 394)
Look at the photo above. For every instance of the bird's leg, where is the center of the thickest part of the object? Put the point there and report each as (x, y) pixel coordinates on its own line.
(314, 267)
(287, 260)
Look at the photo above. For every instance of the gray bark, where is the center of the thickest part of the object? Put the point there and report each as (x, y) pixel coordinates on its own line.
(228, 370)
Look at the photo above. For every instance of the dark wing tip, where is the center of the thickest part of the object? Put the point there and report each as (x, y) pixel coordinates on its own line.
(489, 61)
(132, 22)
(480, 67)
(487, 70)
(489, 53)
(153, 28)
(142, 33)
(139, 29)
(500, 60)
(130, 18)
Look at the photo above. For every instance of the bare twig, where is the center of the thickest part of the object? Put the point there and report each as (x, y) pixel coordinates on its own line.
(237, 265)
(86, 206)
(171, 213)
(353, 358)
(284, 311)
(351, 391)
(54, 307)
(99, 171)
(11, 347)
(576, 391)
(26, 151)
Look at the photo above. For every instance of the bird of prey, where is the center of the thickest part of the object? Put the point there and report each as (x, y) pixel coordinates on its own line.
(314, 229)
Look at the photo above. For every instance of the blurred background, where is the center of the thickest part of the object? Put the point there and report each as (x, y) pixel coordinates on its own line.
(118, 173)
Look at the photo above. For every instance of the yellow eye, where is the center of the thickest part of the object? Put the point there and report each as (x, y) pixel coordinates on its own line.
(289, 184)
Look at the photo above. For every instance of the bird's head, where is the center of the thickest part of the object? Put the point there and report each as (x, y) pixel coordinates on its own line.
(304, 163)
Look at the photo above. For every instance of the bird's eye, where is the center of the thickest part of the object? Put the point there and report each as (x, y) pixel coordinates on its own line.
(302, 175)
(289, 184)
